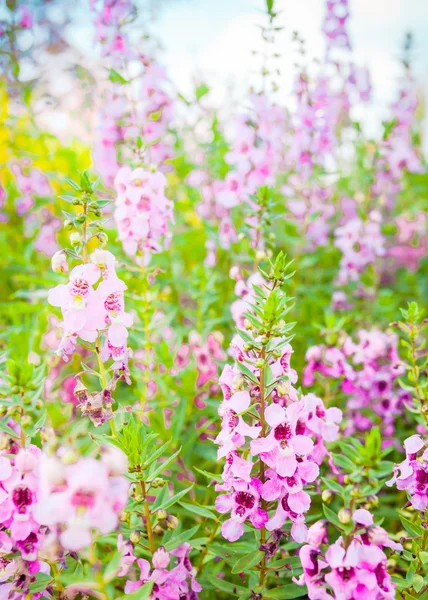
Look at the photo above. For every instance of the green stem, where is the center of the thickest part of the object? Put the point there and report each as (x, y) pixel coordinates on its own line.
(149, 527)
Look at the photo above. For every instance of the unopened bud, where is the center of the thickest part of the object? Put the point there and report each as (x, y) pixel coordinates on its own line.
(102, 238)
(76, 238)
(260, 363)
(283, 388)
(157, 530)
(327, 496)
(158, 482)
(238, 382)
(70, 457)
(161, 514)
(135, 537)
(248, 347)
(171, 522)
(80, 219)
(247, 324)
(344, 515)
(68, 225)
(59, 262)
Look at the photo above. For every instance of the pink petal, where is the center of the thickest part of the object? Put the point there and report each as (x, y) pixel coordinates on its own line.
(232, 530)
(302, 444)
(117, 335)
(363, 517)
(274, 415)
(58, 296)
(413, 444)
(239, 402)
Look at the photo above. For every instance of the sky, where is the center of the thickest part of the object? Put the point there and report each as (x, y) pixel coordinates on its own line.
(214, 40)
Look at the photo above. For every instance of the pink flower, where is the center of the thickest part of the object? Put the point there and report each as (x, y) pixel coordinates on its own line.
(243, 504)
(282, 445)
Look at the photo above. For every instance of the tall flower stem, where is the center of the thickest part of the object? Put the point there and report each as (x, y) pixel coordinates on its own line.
(147, 515)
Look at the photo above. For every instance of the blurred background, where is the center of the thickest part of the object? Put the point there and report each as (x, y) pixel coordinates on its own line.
(216, 43)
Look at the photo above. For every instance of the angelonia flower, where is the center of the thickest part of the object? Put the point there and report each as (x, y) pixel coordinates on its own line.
(411, 244)
(143, 213)
(19, 492)
(412, 474)
(87, 311)
(356, 569)
(74, 500)
(110, 16)
(361, 244)
(369, 370)
(171, 572)
(31, 184)
(207, 355)
(45, 240)
(334, 27)
(283, 432)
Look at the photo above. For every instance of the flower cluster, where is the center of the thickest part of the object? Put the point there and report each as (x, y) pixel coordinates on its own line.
(19, 491)
(351, 568)
(143, 213)
(31, 185)
(169, 583)
(110, 16)
(412, 474)
(268, 422)
(361, 243)
(368, 370)
(76, 498)
(87, 311)
(334, 27)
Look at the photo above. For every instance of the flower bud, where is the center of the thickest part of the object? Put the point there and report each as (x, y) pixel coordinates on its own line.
(238, 382)
(68, 224)
(80, 219)
(344, 515)
(102, 238)
(157, 530)
(161, 514)
(247, 324)
(327, 496)
(135, 537)
(171, 522)
(283, 389)
(76, 238)
(260, 363)
(59, 262)
(158, 482)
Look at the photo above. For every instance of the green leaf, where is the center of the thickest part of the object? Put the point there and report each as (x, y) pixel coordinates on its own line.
(412, 528)
(198, 510)
(209, 475)
(181, 538)
(113, 567)
(418, 583)
(286, 592)
(170, 501)
(331, 516)
(116, 77)
(42, 581)
(162, 466)
(245, 563)
(225, 586)
(201, 90)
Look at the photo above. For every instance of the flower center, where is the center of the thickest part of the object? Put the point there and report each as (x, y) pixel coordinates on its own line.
(245, 500)
(282, 432)
(22, 497)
